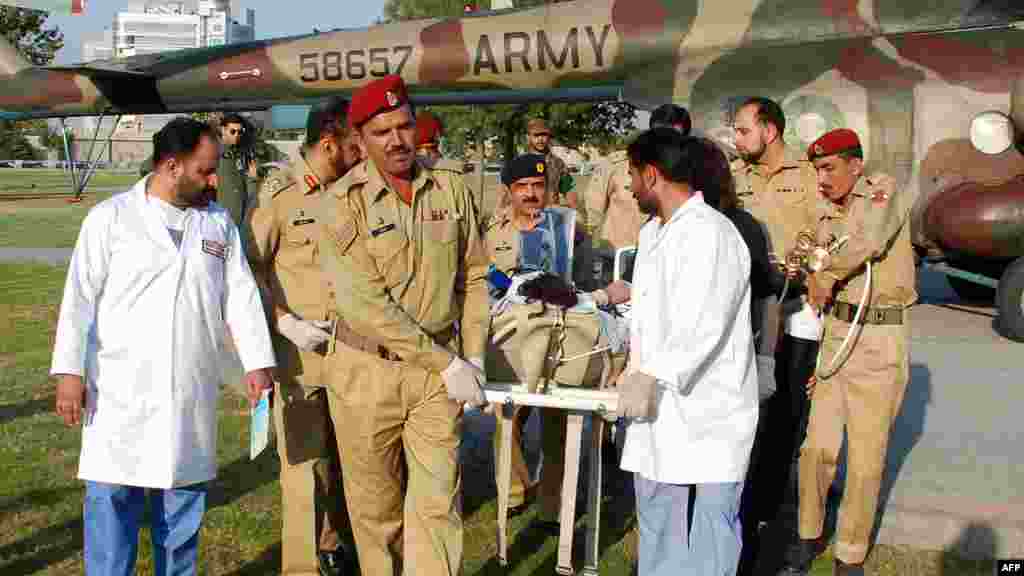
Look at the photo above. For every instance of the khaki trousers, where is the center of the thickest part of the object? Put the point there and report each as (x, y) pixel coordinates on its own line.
(863, 397)
(313, 502)
(398, 436)
(549, 488)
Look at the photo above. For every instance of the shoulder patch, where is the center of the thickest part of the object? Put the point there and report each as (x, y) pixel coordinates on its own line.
(276, 182)
(339, 224)
(344, 235)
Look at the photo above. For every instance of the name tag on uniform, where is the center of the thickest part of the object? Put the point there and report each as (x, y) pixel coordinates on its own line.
(382, 229)
(214, 248)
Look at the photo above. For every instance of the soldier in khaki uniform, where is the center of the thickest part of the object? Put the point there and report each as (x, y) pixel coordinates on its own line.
(428, 137)
(402, 245)
(613, 217)
(779, 188)
(283, 236)
(859, 389)
(559, 181)
(524, 179)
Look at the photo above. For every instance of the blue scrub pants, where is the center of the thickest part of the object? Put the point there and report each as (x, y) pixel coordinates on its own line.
(677, 541)
(112, 517)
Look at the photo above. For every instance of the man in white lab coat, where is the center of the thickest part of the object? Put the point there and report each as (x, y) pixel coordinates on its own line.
(690, 391)
(155, 274)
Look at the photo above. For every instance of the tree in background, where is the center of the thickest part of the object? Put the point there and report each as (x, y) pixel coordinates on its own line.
(604, 125)
(24, 29)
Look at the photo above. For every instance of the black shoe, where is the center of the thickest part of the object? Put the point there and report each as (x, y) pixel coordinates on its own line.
(800, 556)
(332, 562)
(841, 568)
(552, 527)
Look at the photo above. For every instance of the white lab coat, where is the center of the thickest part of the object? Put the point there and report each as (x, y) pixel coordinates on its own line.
(690, 329)
(142, 321)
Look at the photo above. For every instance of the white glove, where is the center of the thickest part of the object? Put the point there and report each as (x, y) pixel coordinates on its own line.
(465, 381)
(306, 335)
(765, 377)
(638, 396)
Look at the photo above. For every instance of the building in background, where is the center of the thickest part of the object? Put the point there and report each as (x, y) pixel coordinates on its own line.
(149, 27)
(98, 46)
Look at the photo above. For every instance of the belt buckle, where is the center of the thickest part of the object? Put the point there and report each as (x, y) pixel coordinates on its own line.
(879, 316)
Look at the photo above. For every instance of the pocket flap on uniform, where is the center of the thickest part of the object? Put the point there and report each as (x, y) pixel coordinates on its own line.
(386, 246)
(444, 231)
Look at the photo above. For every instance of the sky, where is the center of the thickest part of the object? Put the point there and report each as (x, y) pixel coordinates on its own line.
(273, 18)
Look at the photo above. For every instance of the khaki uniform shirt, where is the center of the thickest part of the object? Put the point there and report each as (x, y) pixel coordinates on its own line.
(875, 218)
(406, 274)
(613, 215)
(502, 241)
(785, 202)
(283, 252)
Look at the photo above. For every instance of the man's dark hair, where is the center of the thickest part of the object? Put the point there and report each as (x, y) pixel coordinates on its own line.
(180, 137)
(232, 118)
(677, 157)
(669, 115)
(768, 112)
(327, 118)
(714, 179)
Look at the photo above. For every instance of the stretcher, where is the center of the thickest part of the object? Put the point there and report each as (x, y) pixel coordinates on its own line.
(580, 403)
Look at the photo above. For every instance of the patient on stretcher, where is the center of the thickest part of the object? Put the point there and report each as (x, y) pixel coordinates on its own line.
(536, 280)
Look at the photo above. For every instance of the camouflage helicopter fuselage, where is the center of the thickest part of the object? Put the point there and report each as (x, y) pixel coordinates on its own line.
(908, 76)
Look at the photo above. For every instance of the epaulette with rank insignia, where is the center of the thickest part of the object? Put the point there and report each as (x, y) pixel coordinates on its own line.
(277, 181)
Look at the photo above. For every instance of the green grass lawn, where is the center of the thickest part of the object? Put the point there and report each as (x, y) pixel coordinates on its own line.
(41, 501)
(52, 226)
(51, 223)
(24, 180)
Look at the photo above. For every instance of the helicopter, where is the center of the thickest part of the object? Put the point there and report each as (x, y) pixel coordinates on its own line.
(935, 90)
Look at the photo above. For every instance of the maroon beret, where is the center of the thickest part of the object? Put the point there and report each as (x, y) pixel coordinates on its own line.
(428, 129)
(834, 142)
(383, 95)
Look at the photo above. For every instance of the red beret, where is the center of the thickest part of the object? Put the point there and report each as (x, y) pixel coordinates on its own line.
(834, 142)
(428, 129)
(383, 95)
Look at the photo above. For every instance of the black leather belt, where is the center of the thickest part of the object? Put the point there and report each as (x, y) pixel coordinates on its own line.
(879, 315)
